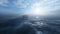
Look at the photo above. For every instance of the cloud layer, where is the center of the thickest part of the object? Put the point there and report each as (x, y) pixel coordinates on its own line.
(46, 5)
(4, 2)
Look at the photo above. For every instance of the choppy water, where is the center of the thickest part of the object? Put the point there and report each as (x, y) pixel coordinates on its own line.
(29, 25)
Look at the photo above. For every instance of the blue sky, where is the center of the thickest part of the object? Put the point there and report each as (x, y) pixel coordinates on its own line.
(18, 6)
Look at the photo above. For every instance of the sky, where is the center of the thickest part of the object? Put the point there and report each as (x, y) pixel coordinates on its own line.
(28, 6)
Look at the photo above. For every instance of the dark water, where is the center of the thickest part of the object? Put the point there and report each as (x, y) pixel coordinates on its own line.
(29, 25)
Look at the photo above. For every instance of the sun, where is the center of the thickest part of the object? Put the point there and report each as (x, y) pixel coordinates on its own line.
(36, 9)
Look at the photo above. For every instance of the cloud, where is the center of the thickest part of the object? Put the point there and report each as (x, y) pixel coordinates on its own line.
(4, 2)
(50, 4)
(21, 3)
(45, 5)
